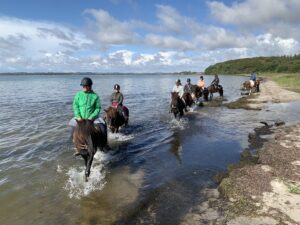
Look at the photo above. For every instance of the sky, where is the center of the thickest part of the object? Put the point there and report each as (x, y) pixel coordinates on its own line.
(142, 35)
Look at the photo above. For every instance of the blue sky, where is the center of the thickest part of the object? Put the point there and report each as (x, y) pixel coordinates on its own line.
(142, 36)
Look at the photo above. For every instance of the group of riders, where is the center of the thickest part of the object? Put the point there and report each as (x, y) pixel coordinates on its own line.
(90, 130)
(188, 87)
(87, 106)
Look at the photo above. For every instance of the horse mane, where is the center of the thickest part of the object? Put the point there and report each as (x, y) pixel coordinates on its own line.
(111, 112)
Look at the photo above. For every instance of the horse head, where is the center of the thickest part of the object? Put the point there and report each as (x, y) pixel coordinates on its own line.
(188, 99)
(176, 104)
(114, 119)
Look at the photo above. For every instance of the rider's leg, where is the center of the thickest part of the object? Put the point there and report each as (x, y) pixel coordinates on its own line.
(184, 103)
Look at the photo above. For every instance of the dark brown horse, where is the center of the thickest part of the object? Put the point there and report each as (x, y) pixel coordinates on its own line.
(198, 92)
(115, 119)
(87, 139)
(213, 89)
(188, 99)
(250, 85)
(177, 105)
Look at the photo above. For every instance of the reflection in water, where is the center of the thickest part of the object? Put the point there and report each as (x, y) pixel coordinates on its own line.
(176, 147)
(109, 205)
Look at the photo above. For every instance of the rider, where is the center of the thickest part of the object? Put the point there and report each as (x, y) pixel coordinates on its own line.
(179, 89)
(116, 100)
(86, 105)
(188, 86)
(201, 83)
(216, 81)
(253, 76)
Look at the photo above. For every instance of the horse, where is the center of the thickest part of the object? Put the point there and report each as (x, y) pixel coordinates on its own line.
(250, 84)
(198, 92)
(87, 139)
(177, 105)
(213, 89)
(188, 99)
(115, 119)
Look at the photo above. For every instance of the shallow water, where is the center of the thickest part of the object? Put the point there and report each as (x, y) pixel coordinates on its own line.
(155, 173)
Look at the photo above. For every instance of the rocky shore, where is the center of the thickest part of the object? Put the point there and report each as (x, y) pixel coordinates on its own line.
(264, 187)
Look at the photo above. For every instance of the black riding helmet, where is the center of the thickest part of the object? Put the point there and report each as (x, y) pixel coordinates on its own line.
(86, 81)
(201, 77)
(188, 80)
(117, 87)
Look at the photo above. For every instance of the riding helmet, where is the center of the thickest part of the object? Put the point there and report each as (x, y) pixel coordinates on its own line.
(86, 81)
(117, 87)
(188, 80)
(201, 77)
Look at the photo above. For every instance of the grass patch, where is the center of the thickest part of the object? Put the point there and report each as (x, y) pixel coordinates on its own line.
(294, 189)
(290, 81)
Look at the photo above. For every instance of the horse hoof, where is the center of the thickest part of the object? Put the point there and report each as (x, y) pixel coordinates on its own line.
(86, 179)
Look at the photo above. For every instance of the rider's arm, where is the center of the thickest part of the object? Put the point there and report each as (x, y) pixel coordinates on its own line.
(97, 110)
(76, 106)
(181, 92)
(120, 99)
(174, 89)
(112, 97)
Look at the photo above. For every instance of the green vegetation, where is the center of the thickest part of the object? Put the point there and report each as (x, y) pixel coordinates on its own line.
(186, 73)
(294, 189)
(290, 81)
(275, 64)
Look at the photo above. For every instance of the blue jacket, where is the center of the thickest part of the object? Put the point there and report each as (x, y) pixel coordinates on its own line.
(253, 76)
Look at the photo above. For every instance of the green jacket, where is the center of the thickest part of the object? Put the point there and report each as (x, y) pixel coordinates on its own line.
(86, 105)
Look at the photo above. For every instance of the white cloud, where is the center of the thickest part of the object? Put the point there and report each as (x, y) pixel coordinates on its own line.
(167, 42)
(169, 18)
(105, 30)
(254, 13)
(30, 38)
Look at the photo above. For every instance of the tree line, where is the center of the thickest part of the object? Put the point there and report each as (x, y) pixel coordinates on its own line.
(274, 64)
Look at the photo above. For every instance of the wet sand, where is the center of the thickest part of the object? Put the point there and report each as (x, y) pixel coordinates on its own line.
(270, 92)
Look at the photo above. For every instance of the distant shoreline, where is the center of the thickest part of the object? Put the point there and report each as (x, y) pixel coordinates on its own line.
(110, 73)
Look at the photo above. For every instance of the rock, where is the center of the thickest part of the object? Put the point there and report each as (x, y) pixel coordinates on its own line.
(279, 123)
(265, 123)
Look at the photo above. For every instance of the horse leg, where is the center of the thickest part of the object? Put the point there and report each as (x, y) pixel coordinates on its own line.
(221, 92)
(84, 156)
(88, 166)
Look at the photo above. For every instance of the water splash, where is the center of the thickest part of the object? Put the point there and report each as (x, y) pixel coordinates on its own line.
(120, 137)
(76, 185)
(181, 124)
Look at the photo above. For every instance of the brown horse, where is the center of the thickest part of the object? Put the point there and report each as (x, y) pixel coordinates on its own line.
(213, 89)
(115, 119)
(188, 99)
(249, 85)
(177, 105)
(198, 92)
(87, 139)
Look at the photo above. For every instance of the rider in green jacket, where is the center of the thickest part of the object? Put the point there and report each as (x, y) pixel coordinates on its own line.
(86, 104)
